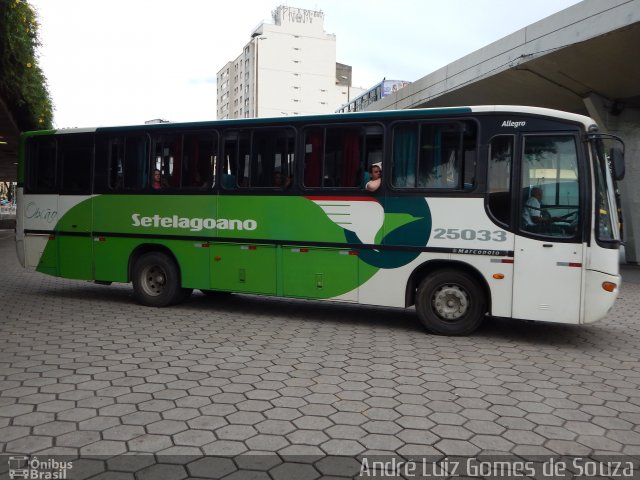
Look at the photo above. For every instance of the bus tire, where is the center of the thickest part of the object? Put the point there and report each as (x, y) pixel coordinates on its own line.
(156, 281)
(450, 302)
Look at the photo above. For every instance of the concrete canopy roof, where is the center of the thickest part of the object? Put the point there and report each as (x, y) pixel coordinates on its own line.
(563, 78)
(587, 49)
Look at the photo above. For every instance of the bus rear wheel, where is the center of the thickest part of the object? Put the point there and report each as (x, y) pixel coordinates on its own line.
(450, 302)
(156, 281)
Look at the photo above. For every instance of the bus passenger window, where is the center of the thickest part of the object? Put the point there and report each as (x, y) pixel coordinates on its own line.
(41, 165)
(199, 161)
(438, 165)
(167, 158)
(235, 167)
(75, 154)
(342, 157)
(335, 156)
(136, 162)
(434, 155)
(499, 177)
(313, 148)
(116, 163)
(272, 158)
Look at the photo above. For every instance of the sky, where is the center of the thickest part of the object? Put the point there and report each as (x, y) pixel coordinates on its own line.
(122, 62)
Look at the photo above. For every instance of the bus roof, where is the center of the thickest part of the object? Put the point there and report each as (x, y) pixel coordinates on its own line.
(374, 114)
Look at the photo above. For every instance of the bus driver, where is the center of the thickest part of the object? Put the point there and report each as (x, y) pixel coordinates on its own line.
(532, 213)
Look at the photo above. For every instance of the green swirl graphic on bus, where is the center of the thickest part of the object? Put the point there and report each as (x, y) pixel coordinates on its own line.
(369, 221)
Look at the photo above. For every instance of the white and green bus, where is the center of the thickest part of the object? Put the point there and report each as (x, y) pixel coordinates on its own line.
(278, 207)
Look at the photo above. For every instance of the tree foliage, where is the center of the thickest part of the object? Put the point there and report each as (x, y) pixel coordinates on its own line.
(23, 86)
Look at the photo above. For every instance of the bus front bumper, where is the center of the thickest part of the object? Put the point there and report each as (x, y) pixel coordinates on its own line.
(598, 300)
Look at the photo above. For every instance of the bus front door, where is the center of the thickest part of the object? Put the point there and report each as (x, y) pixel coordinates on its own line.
(547, 279)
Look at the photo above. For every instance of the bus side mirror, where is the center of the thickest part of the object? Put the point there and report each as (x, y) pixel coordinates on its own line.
(616, 158)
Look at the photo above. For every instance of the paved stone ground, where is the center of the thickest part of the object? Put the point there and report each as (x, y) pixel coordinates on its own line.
(85, 371)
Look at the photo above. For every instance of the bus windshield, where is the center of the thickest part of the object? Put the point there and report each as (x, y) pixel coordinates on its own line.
(607, 227)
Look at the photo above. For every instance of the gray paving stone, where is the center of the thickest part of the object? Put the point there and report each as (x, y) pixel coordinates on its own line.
(301, 453)
(52, 429)
(211, 467)
(225, 448)
(32, 419)
(294, 470)
(104, 448)
(342, 447)
(162, 472)
(123, 432)
(141, 418)
(457, 447)
(207, 422)
(255, 379)
(348, 418)
(236, 432)
(245, 418)
(270, 443)
(77, 439)
(11, 433)
(275, 427)
(452, 431)
(418, 437)
(307, 437)
(312, 423)
(15, 410)
(149, 443)
(130, 463)
(349, 432)
(99, 423)
(196, 438)
(179, 413)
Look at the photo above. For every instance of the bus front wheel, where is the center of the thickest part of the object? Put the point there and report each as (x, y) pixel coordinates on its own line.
(450, 302)
(156, 280)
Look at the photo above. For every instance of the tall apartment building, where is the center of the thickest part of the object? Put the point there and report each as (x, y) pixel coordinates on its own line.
(287, 68)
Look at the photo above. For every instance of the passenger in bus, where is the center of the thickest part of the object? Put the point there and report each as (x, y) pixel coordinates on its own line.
(157, 182)
(280, 180)
(375, 171)
(533, 215)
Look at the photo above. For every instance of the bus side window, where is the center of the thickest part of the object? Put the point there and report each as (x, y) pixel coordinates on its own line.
(116, 163)
(373, 150)
(438, 165)
(235, 167)
(499, 177)
(128, 162)
(199, 161)
(41, 165)
(75, 156)
(434, 155)
(167, 157)
(343, 157)
(272, 158)
(334, 156)
(313, 155)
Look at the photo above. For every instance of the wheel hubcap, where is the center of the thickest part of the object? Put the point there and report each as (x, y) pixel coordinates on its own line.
(450, 302)
(153, 280)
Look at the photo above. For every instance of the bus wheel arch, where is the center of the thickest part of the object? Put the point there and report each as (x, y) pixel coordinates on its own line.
(451, 298)
(156, 276)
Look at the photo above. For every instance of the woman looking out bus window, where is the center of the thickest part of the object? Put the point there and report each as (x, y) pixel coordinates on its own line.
(375, 171)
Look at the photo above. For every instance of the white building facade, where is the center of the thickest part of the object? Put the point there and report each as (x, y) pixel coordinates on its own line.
(287, 68)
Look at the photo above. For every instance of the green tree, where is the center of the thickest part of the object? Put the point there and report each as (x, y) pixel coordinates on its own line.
(23, 86)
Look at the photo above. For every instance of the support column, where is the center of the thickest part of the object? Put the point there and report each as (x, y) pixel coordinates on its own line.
(626, 125)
